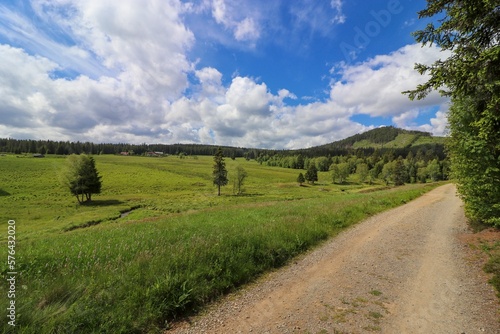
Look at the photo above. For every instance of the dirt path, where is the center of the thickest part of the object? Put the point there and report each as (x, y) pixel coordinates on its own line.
(402, 271)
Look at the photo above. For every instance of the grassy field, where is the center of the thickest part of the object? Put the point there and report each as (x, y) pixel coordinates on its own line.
(401, 141)
(93, 269)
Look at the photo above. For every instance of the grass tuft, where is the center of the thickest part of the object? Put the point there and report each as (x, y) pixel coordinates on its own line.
(375, 292)
(493, 264)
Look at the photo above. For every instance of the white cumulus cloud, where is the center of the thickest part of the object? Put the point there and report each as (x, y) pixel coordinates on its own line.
(232, 15)
(375, 87)
(127, 77)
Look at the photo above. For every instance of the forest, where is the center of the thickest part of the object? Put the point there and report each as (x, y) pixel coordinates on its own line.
(360, 145)
(375, 154)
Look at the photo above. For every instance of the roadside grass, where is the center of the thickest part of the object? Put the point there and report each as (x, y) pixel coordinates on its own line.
(491, 247)
(181, 248)
(493, 264)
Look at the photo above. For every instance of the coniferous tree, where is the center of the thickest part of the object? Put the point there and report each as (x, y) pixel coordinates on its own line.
(312, 173)
(301, 179)
(399, 173)
(219, 173)
(81, 177)
(300, 162)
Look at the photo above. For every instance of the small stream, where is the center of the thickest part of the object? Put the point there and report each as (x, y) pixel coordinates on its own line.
(126, 213)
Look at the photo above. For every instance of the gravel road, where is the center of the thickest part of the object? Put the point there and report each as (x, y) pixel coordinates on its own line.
(402, 271)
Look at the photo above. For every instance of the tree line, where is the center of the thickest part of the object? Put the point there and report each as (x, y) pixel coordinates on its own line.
(340, 148)
(82, 178)
(398, 171)
(29, 146)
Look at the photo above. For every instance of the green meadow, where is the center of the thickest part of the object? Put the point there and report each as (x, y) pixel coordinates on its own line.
(158, 243)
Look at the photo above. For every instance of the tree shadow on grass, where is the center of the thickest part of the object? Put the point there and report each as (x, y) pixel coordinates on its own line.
(248, 195)
(4, 193)
(105, 202)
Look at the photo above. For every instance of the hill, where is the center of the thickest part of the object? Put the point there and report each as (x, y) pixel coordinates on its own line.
(365, 143)
(389, 137)
(385, 138)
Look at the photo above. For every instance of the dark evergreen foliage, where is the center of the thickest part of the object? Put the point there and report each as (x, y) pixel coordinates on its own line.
(322, 157)
(219, 172)
(301, 179)
(311, 174)
(339, 148)
(82, 178)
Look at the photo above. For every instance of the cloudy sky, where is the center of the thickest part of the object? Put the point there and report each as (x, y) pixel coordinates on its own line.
(257, 73)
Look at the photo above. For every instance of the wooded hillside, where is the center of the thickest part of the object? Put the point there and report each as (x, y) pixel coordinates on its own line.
(398, 141)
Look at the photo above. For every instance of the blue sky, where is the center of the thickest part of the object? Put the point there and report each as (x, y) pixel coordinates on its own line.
(268, 74)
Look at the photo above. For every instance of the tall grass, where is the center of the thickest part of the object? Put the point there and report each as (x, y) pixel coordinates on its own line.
(181, 249)
(136, 277)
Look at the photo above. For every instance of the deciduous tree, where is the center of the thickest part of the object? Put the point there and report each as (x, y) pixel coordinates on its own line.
(434, 170)
(362, 171)
(470, 31)
(323, 164)
(340, 172)
(240, 176)
(387, 172)
(473, 164)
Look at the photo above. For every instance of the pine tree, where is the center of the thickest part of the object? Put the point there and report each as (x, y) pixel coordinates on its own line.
(219, 172)
(301, 179)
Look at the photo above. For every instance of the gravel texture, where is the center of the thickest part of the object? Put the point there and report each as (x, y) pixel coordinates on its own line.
(402, 271)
